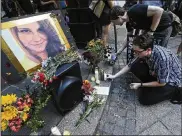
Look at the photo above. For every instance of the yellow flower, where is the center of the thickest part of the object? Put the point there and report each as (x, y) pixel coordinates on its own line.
(9, 112)
(4, 125)
(26, 108)
(25, 116)
(8, 99)
(102, 42)
(91, 43)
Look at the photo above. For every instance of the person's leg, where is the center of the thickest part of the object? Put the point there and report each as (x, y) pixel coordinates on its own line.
(162, 38)
(153, 95)
(105, 34)
(98, 30)
(141, 70)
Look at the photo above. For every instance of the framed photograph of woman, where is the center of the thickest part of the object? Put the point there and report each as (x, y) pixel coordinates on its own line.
(33, 39)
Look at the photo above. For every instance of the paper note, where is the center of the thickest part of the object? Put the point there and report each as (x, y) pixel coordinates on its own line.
(102, 90)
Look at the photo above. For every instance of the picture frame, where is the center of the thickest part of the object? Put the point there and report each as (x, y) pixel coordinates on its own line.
(29, 40)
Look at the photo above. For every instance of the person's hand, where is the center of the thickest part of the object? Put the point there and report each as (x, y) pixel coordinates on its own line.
(110, 77)
(135, 86)
(150, 33)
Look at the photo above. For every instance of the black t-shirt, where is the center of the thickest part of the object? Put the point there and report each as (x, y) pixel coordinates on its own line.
(138, 18)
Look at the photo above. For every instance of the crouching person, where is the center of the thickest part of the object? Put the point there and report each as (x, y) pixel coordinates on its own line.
(158, 69)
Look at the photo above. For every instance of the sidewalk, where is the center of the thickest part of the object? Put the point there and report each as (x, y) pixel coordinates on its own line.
(123, 115)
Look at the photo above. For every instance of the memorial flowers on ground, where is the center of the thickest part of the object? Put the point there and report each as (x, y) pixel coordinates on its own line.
(14, 111)
(25, 110)
(91, 101)
(94, 52)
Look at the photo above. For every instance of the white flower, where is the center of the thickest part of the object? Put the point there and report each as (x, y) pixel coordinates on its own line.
(103, 100)
(45, 63)
(32, 81)
(88, 98)
(36, 77)
(91, 99)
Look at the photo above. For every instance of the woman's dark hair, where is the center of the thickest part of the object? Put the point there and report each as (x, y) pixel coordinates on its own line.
(144, 41)
(54, 45)
(116, 11)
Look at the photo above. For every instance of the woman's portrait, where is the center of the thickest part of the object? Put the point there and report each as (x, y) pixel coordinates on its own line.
(38, 40)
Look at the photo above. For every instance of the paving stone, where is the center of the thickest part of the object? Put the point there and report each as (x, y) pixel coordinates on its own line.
(173, 121)
(115, 91)
(129, 105)
(101, 125)
(161, 109)
(156, 129)
(108, 128)
(111, 119)
(112, 110)
(114, 97)
(130, 128)
(113, 104)
(118, 130)
(104, 117)
(123, 105)
(144, 118)
(121, 121)
(131, 114)
(122, 112)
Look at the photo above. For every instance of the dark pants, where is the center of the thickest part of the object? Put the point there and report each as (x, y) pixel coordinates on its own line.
(161, 38)
(150, 95)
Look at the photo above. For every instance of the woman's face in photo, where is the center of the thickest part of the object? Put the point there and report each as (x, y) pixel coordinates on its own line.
(32, 37)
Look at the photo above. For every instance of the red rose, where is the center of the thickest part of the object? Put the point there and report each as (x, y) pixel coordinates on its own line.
(41, 77)
(55, 77)
(45, 82)
(13, 128)
(50, 80)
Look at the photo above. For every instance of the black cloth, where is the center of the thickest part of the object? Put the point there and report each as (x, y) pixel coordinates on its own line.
(150, 95)
(27, 6)
(129, 3)
(9, 8)
(44, 8)
(139, 20)
(105, 18)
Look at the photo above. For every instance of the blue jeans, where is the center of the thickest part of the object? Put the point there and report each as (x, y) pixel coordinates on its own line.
(161, 38)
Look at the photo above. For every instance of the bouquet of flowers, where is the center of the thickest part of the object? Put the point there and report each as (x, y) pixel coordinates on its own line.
(95, 52)
(46, 74)
(15, 111)
(91, 101)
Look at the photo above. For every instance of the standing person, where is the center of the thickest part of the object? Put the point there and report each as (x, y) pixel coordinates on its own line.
(104, 21)
(39, 40)
(158, 69)
(153, 20)
(129, 27)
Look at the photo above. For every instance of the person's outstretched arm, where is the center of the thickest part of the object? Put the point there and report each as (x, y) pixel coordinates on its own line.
(121, 72)
(156, 13)
(124, 45)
